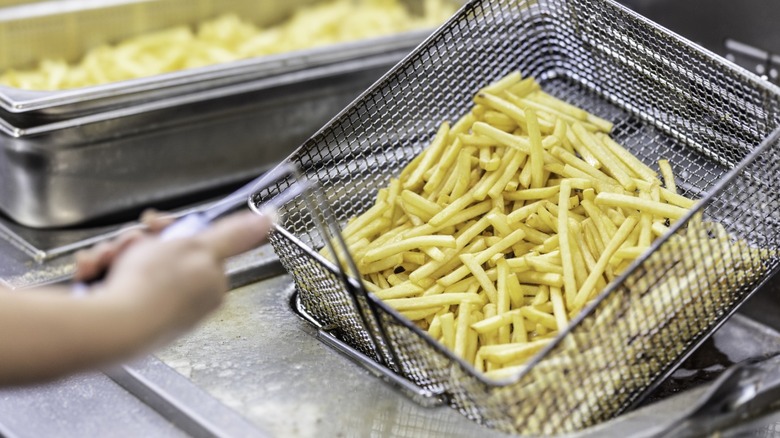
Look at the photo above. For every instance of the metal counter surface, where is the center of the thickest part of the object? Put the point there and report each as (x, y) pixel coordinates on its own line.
(256, 369)
(258, 357)
(85, 405)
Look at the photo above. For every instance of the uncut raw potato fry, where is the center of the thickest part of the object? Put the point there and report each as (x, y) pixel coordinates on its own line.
(506, 235)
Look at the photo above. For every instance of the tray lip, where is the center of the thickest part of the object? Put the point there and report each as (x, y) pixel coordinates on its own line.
(79, 100)
(749, 77)
(8, 129)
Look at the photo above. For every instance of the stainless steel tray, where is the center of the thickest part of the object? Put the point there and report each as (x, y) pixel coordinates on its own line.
(68, 28)
(68, 172)
(6, 3)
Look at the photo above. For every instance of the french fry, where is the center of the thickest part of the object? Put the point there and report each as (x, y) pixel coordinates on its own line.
(227, 38)
(643, 205)
(666, 172)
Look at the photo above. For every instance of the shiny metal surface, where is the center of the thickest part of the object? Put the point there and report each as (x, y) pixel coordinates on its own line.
(266, 364)
(120, 161)
(186, 406)
(85, 405)
(745, 32)
(257, 357)
(67, 29)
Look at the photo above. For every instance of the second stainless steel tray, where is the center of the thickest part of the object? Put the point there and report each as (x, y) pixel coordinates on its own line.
(66, 29)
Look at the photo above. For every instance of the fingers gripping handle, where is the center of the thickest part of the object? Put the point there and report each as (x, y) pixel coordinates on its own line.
(187, 226)
(195, 223)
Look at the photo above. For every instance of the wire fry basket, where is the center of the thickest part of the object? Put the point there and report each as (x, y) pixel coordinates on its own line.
(668, 99)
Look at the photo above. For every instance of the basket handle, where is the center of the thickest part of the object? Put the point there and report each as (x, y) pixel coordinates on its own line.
(349, 274)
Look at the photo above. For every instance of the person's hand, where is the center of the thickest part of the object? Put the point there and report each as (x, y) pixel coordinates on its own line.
(168, 286)
(92, 262)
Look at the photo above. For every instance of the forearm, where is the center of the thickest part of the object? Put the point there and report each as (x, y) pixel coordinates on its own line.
(48, 333)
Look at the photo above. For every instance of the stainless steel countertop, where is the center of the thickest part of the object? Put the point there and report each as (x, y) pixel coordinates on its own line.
(86, 405)
(257, 357)
(256, 369)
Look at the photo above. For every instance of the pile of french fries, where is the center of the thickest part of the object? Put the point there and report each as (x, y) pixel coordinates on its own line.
(229, 38)
(516, 217)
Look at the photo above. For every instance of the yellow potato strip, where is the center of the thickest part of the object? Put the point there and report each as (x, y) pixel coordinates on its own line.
(435, 328)
(374, 228)
(519, 333)
(494, 323)
(543, 266)
(462, 174)
(462, 329)
(429, 207)
(659, 229)
(504, 244)
(511, 110)
(469, 262)
(517, 159)
(630, 253)
(382, 265)
(519, 143)
(666, 172)
(675, 199)
(466, 215)
(629, 159)
(447, 322)
(552, 112)
(585, 292)
(430, 156)
(539, 317)
(448, 160)
(366, 218)
(570, 285)
(404, 290)
(582, 166)
(414, 257)
(451, 210)
(580, 148)
(512, 352)
(545, 278)
(523, 213)
(418, 303)
(434, 253)
(605, 158)
(559, 308)
(643, 205)
(580, 268)
(532, 194)
(391, 249)
(532, 235)
(536, 157)
(503, 83)
(416, 315)
(524, 87)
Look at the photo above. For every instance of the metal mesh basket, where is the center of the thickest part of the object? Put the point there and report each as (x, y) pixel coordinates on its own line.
(667, 98)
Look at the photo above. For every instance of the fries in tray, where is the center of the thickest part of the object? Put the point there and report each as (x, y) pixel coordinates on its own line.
(516, 217)
(229, 38)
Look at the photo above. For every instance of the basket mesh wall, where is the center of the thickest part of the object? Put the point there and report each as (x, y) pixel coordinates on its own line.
(667, 99)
